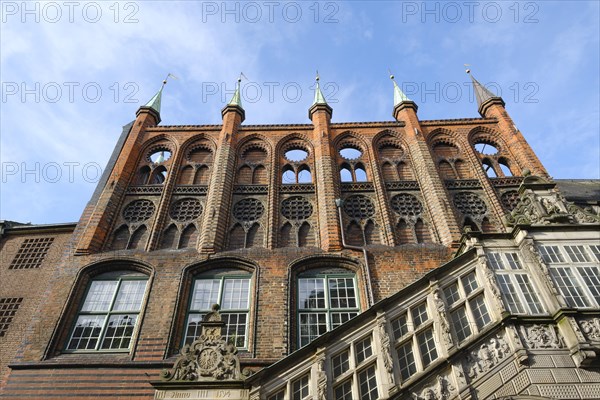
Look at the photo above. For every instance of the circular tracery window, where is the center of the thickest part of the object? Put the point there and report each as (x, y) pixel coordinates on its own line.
(186, 210)
(296, 208)
(359, 206)
(406, 205)
(469, 204)
(248, 210)
(510, 199)
(138, 210)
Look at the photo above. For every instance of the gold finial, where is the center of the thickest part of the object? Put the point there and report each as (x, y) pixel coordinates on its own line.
(468, 71)
(391, 75)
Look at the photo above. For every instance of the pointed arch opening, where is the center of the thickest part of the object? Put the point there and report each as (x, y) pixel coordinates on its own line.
(143, 175)
(186, 176)
(168, 237)
(139, 237)
(120, 238)
(304, 174)
(189, 237)
(488, 167)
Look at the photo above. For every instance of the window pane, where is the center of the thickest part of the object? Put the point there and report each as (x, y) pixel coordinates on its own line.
(363, 350)
(461, 323)
(130, 296)
(300, 388)
(311, 293)
(535, 307)
(407, 361)
(206, 293)
(596, 251)
(342, 293)
(235, 328)
(339, 318)
(193, 328)
(513, 260)
(367, 383)
(569, 288)
(344, 391)
(400, 326)
(235, 294)
(495, 261)
(577, 254)
(312, 325)
(427, 347)
(86, 333)
(119, 332)
(482, 318)
(451, 294)
(100, 296)
(591, 277)
(469, 283)
(551, 254)
(510, 294)
(419, 314)
(341, 363)
(277, 396)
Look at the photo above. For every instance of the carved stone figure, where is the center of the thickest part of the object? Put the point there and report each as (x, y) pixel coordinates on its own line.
(441, 390)
(488, 355)
(491, 281)
(443, 317)
(208, 357)
(321, 378)
(385, 347)
(541, 337)
(591, 328)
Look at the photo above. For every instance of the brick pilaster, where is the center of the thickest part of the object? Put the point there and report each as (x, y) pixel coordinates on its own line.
(432, 187)
(382, 200)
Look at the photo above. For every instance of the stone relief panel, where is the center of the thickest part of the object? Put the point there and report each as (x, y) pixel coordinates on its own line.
(590, 328)
(541, 337)
(489, 354)
(441, 388)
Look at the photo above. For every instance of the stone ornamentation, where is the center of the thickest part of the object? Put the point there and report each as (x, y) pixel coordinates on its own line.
(491, 282)
(385, 347)
(440, 308)
(532, 250)
(209, 357)
(591, 328)
(441, 390)
(489, 354)
(541, 337)
(542, 204)
(321, 376)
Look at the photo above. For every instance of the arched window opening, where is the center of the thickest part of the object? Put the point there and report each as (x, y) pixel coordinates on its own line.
(489, 169)
(304, 235)
(202, 176)
(361, 174)
(296, 155)
(405, 172)
(350, 153)
(345, 175)
(138, 239)
(143, 175)
(168, 238)
(159, 156)
(327, 298)
(304, 175)
(462, 170)
(186, 176)
(285, 238)
(159, 176)
(288, 176)
(505, 168)
(255, 236)
(446, 170)
(108, 318)
(260, 176)
(486, 148)
(120, 238)
(371, 233)
(230, 288)
(421, 232)
(355, 235)
(189, 237)
(245, 175)
(237, 237)
(405, 232)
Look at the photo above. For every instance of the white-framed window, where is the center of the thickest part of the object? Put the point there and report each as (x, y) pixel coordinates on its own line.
(231, 290)
(518, 292)
(108, 317)
(326, 300)
(466, 302)
(414, 340)
(575, 270)
(354, 373)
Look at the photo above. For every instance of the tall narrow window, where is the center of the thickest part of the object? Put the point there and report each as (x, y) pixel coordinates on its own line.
(231, 290)
(518, 291)
(325, 301)
(108, 317)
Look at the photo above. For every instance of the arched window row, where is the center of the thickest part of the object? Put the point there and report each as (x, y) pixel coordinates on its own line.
(175, 237)
(494, 157)
(126, 237)
(154, 166)
(450, 160)
(294, 174)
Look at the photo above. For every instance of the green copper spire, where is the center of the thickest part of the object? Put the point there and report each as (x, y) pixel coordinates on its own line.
(319, 98)
(236, 100)
(154, 102)
(399, 95)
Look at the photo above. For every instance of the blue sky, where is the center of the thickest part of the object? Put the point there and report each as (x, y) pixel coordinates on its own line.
(74, 73)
